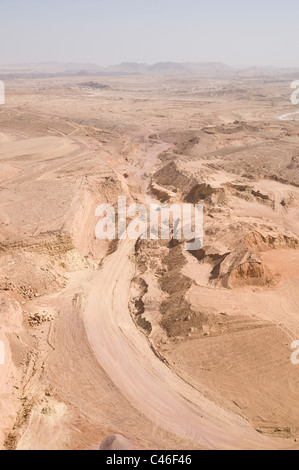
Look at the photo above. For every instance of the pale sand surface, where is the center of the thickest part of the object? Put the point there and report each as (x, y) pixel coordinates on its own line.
(158, 347)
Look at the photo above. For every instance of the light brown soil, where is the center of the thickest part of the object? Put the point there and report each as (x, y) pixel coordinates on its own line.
(161, 347)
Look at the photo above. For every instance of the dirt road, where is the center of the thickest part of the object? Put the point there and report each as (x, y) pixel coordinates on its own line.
(286, 117)
(149, 385)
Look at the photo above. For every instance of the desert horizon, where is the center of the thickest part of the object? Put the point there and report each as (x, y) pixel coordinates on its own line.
(168, 67)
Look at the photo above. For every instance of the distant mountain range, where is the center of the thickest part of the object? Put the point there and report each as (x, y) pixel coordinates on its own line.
(49, 69)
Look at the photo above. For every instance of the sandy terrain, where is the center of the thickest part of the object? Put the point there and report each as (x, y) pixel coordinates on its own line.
(142, 340)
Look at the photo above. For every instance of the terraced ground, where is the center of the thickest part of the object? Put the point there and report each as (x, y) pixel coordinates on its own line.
(169, 348)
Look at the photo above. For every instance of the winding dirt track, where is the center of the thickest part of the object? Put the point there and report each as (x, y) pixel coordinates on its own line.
(286, 117)
(146, 382)
(151, 386)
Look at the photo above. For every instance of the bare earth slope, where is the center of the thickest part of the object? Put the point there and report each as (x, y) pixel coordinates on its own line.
(169, 348)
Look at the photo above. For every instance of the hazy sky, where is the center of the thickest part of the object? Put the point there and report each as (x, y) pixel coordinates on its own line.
(251, 32)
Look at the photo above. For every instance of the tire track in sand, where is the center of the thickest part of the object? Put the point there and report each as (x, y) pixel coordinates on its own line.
(149, 384)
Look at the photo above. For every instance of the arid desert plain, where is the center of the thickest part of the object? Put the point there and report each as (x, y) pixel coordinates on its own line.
(169, 348)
